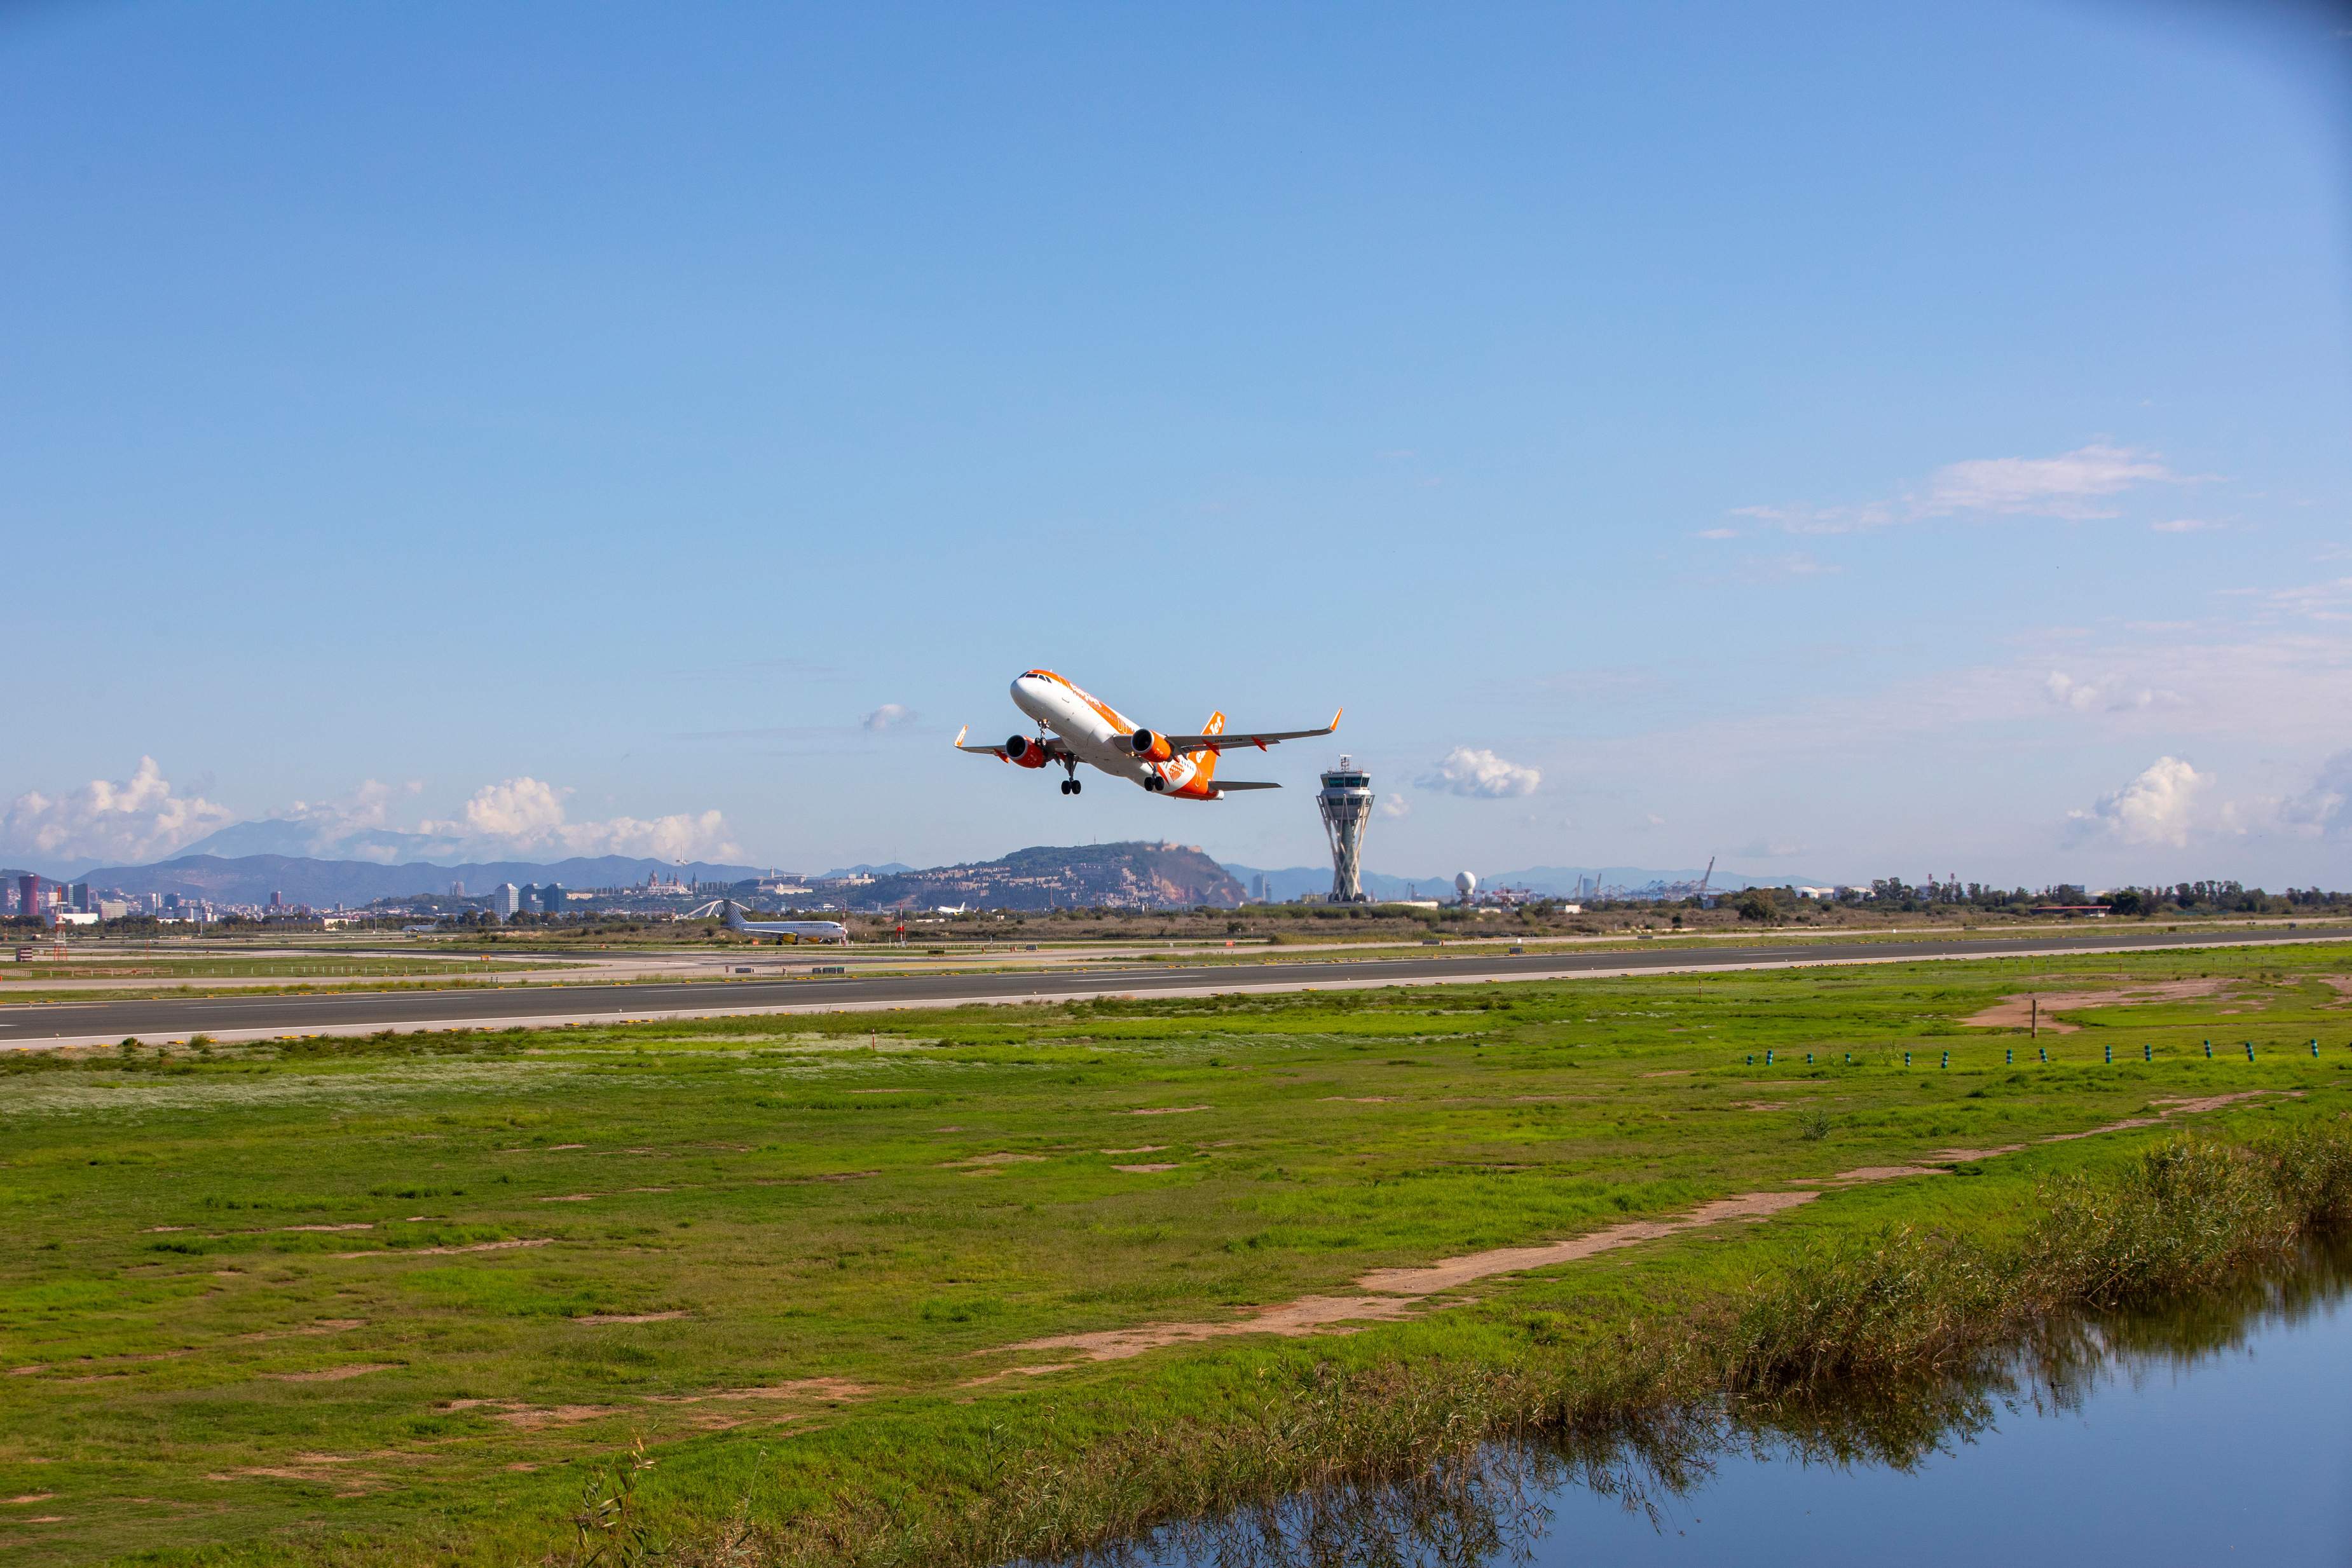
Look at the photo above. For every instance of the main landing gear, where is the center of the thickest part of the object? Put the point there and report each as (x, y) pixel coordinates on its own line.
(1154, 783)
(1071, 785)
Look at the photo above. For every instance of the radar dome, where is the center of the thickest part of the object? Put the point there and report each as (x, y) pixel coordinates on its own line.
(1465, 883)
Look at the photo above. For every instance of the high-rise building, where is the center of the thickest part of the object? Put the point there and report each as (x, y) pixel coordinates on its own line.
(506, 899)
(1346, 802)
(28, 895)
(80, 898)
(551, 898)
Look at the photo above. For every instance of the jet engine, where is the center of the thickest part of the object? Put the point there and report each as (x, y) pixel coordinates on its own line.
(1024, 752)
(1149, 747)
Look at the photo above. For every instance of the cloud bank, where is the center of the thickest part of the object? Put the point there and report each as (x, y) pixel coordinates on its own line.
(527, 816)
(144, 819)
(134, 819)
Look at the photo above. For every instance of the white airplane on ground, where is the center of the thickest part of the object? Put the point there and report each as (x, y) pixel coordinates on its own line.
(1075, 728)
(798, 930)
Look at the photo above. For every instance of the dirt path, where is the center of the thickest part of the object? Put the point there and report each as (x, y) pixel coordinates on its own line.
(1393, 1293)
(2017, 1012)
(2172, 1108)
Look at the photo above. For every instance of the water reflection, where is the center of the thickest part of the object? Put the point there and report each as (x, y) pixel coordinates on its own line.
(1500, 1505)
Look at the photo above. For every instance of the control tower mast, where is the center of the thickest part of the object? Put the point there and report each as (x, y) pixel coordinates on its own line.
(1347, 806)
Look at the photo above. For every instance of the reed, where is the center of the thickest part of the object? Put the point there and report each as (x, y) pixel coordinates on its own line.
(1892, 1323)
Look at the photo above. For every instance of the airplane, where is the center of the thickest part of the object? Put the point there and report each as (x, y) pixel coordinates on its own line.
(798, 930)
(1083, 729)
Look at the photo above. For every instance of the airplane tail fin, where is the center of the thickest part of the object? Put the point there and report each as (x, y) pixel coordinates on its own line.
(1206, 761)
(734, 915)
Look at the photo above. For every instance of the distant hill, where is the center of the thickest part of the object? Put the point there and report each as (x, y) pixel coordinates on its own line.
(1132, 876)
(323, 883)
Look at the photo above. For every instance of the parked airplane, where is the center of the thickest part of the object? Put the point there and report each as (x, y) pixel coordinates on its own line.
(798, 930)
(1074, 727)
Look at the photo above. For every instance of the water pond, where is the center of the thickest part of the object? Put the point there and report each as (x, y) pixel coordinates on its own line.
(2219, 1433)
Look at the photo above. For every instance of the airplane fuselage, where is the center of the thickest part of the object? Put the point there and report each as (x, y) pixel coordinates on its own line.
(1101, 736)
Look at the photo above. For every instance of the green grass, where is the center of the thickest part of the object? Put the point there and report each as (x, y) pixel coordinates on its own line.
(812, 1197)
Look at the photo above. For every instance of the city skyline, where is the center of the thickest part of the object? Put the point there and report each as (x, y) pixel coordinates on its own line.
(1843, 442)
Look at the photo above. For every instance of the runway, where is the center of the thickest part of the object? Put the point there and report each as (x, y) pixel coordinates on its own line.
(232, 1018)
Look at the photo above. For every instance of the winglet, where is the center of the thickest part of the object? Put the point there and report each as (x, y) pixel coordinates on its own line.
(1335, 720)
(962, 733)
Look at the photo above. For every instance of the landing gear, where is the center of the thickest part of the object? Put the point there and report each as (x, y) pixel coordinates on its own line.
(1071, 785)
(1154, 783)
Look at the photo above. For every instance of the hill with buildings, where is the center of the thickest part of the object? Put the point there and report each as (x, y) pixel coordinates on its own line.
(340, 883)
(1129, 875)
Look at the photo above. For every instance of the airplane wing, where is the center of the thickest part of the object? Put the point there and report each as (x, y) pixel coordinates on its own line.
(1262, 739)
(1054, 748)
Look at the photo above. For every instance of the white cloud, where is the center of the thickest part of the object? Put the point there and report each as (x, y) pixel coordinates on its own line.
(2183, 525)
(138, 818)
(2074, 485)
(890, 715)
(2113, 696)
(2329, 601)
(1795, 564)
(369, 806)
(2326, 808)
(1718, 533)
(1393, 805)
(1802, 519)
(2068, 692)
(2159, 807)
(1481, 775)
(527, 816)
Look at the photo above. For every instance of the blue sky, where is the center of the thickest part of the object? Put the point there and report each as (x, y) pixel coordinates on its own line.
(1853, 440)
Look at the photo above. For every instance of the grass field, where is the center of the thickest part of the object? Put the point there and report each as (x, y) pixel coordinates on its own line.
(386, 1300)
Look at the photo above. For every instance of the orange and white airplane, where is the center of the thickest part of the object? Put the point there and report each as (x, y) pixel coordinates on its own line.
(1074, 727)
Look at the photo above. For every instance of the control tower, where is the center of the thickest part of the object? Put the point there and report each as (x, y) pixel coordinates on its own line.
(1347, 804)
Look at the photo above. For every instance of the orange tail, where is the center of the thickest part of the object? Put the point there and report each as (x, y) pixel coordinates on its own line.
(1206, 761)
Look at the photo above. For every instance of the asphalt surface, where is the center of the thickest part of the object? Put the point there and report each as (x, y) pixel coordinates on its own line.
(43, 1024)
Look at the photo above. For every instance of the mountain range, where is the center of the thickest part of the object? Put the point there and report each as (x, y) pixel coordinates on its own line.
(251, 879)
(232, 866)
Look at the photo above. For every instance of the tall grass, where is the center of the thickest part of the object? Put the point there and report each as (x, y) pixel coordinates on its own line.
(1855, 1348)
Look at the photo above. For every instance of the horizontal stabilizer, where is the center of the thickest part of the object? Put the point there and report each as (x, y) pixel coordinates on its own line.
(1226, 784)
